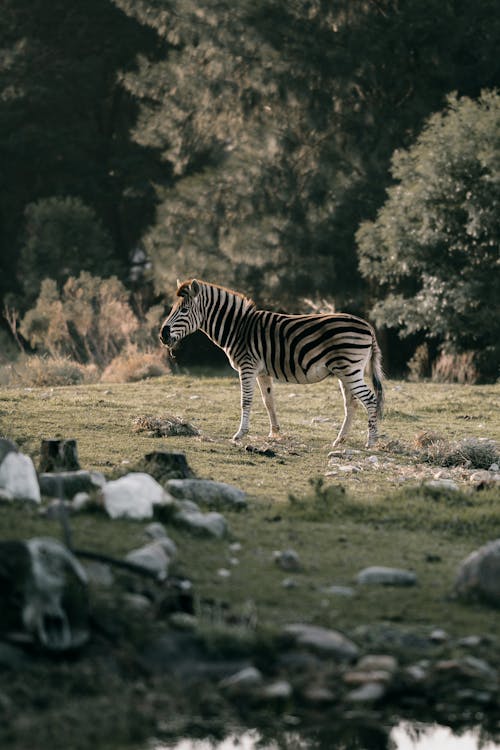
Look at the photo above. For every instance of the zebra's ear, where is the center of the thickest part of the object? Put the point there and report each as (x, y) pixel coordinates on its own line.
(194, 289)
(179, 284)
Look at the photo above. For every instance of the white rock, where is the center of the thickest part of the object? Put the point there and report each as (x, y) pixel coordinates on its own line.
(134, 496)
(279, 690)
(19, 478)
(367, 693)
(80, 501)
(494, 467)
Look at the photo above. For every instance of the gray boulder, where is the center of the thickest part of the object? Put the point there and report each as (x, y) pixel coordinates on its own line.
(478, 576)
(323, 640)
(203, 524)
(206, 492)
(154, 556)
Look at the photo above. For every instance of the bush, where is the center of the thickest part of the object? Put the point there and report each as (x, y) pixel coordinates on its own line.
(39, 371)
(133, 365)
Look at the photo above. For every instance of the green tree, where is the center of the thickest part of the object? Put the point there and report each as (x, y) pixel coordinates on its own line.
(434, 246)
(276, 121)
(62, 237)
(65, 121)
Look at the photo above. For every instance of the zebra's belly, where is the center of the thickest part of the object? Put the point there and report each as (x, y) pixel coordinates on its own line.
(313, 374)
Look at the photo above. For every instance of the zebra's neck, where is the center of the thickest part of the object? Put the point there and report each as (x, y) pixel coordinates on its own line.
(224, 312)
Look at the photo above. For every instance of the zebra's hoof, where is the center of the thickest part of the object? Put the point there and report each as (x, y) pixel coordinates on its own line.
(236, 438)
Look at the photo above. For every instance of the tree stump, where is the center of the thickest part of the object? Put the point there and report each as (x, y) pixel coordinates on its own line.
(58, 455)
(168, 465)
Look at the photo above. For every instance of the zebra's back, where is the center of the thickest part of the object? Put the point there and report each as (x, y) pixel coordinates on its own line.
(307, 348)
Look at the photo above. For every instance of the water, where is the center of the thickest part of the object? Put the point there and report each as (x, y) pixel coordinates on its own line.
(404, 736)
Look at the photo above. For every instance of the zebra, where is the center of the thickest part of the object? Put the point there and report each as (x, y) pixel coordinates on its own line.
(263, 346)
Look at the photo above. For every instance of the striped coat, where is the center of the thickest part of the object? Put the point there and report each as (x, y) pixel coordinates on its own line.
(264, 346)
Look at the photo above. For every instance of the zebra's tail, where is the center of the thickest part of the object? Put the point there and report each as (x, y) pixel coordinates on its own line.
(377, 375)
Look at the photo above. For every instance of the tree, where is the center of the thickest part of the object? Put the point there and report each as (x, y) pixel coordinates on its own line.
(62, 237)
(434, 246)
(65, 121)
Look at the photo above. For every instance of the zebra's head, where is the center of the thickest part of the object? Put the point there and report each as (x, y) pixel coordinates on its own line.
(185, 315)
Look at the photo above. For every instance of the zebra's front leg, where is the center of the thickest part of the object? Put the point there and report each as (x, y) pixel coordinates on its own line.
(247, 384)
(266, 388)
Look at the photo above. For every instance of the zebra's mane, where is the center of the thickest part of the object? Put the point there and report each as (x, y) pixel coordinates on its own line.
(185, 284)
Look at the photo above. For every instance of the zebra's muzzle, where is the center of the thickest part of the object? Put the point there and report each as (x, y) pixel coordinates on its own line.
(165, 337)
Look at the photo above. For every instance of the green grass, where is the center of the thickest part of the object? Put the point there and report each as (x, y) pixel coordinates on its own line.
(338, 524)
(377, 519)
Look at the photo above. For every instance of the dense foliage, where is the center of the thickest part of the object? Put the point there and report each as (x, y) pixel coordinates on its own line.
(244, 143)
(434, 247)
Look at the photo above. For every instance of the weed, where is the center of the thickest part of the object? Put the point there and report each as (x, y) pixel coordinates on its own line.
(321, 503)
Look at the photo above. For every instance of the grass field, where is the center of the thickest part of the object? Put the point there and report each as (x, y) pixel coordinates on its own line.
(382, 516)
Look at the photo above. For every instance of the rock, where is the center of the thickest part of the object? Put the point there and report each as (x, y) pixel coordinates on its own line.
(478, 576)
(372, 662)
(58, 455)
(183, 621)
(81, 501)
(438, 635)
(206, 492)
(358, 677)
(134, 496)
(339, 591)
(67, 484)
(367, 693)
(136, 602)
(323, 640)
(152, 556)
(99, 574)
(245, 680)
(279, 690)
(7, 446)
(287, 559)
(6, 496)
(204, 524)
(18, 477)
(155, 531)
(318, 695)
(289, 583)
(494, 467)
(380, 575)
(442, 484)
(44, 594)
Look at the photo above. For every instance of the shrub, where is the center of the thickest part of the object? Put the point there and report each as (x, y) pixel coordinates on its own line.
(39, 371)
(133, 365)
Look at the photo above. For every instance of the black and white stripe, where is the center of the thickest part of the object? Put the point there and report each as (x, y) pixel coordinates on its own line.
(264, 346)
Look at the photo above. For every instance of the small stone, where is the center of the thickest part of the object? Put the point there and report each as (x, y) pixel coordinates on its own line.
(372, 459)
(183, 621)
(243, 681)
(494, 467)
(80, 501)
(223, 573)
(155, 531)
(357, 677)
(287, 559)
(339, 591)
(206, 492)
(152, 556)
(318, 694)
(279, 690)
(470, 641)
(137, 602)
(323, 640)
(374, 662)
(289, 583)
(438, 635)
(380, 575)
(370, 692)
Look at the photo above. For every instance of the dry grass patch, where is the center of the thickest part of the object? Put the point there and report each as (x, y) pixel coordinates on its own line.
(133, 365)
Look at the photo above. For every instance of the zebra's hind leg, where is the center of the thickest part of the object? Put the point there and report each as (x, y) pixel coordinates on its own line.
(357, 389)
(350, 404)
(266, 388)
